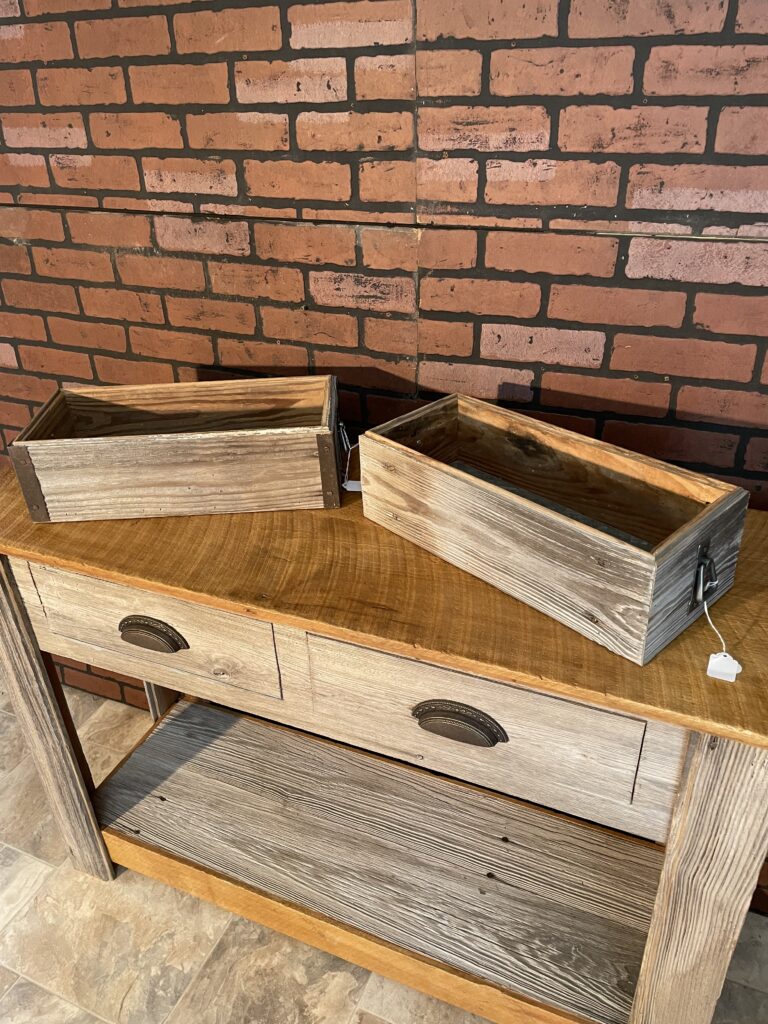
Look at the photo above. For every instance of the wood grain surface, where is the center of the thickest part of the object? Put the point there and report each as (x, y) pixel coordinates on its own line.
(337, 574)
(526, 899)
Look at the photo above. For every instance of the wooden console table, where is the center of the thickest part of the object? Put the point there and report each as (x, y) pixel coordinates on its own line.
(361, 746)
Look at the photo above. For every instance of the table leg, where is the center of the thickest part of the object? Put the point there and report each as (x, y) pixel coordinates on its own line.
(45, 730)
(717, 845)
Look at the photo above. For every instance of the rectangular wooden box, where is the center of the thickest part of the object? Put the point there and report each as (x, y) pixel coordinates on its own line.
(138, 451)
(608, 542)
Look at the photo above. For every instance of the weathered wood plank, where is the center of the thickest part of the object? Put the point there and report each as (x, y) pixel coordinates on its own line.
(528, 900)
(717, 845)
(159, 699)
(45, 732)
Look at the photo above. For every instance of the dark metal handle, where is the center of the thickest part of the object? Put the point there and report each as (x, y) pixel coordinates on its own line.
(152, 634)
(459, 722)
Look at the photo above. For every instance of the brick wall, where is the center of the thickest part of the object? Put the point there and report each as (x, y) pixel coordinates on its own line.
(562, 206)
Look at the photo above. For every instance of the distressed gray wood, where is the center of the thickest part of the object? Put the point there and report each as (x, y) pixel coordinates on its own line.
(717, 845)
(537, 903)
(45, 732)
(159, 699)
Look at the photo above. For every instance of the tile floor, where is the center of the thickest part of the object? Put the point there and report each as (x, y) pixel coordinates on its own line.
(74, 950)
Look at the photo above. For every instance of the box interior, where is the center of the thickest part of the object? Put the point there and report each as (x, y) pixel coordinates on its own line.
(184, 408)
(530, 459)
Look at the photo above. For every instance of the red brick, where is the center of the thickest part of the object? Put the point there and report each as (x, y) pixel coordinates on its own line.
(81, 334)
(447, 250)
(123, 37)
(706, 71)
(95, 172)
(631, 306)
(348, 130)
(495, 382)
(732, 314)
(363, 291)
(160, 272)
(547, 182)
(249, 130)
(756, 457)
(26, 388)
(135, 131)
(751, 18)
(21, 325)
(58, 298)
(93, 684)
(120, 304)
(309, 326)
(697, 187)
(14, 414)
(212, 314)
(445, 338)
(683, 357)
(268, 357)
(678, 444)
(176, 345)
(130, 371)
(389, 248)
(14, 259)
(387, 181)
(486, 19)
(44, 131)
(710, 262)
(57, 199)
(600, 18)
(307, 80)
(136, 698)
(44, 359)
(605, 394)
(80, 87)
(35, 41)
(538, 252)
(8, 357)
(489, 129)
(644, 129)
(35, 7)
(340, 26)
(236, 28)
(306, 243)
(279, 284)
(717, 405)
(74, 264)
(23, 169)
(562, 71)
(397, 336)
(180, 234)
(130, 230)
(447, 180)
(298, 179)
(515, 343)
(390, 77)
(10, 9)
(448, 72)
(381, 409)
(480, 296)
(16, 88)
(743, 130)
(365, 371)
(179, 83)
(181, 174)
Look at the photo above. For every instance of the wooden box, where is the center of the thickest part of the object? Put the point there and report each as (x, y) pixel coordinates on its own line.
(617, 546)
(181, 449)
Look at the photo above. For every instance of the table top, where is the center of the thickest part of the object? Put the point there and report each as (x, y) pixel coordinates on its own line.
(333, 572)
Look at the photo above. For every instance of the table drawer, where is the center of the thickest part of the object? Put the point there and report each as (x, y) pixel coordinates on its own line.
(229, 658)
(608, 767)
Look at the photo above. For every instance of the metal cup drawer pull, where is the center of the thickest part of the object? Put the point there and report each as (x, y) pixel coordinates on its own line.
(459, 722)
(151, 634)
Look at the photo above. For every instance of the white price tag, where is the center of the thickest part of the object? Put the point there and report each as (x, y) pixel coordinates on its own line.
(723, 666)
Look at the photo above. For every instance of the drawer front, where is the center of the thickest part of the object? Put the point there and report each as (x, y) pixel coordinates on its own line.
(608, 767)
(230, 658)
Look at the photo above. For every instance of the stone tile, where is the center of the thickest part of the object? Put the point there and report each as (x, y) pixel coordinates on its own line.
(7, 978)
(5, 699)
(750, 960)
(395, 1004)
(741, 1005)
(20, 878)
(115, 726)
(81, 704)
(255, 974)
(26, 1003)
(101, 761)
(138, 943)
(12, 746)
(26, 821)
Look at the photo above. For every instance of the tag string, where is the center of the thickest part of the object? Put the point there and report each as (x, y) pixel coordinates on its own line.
(714, 627)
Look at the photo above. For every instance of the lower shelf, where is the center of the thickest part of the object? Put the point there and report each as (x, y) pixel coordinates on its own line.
(542, 905)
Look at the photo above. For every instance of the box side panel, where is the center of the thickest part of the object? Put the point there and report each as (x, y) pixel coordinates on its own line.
(26, 474)
(588, 581)
(721, 528)
(120, 478)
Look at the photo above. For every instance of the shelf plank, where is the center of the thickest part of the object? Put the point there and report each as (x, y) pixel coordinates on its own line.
(548, 907)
